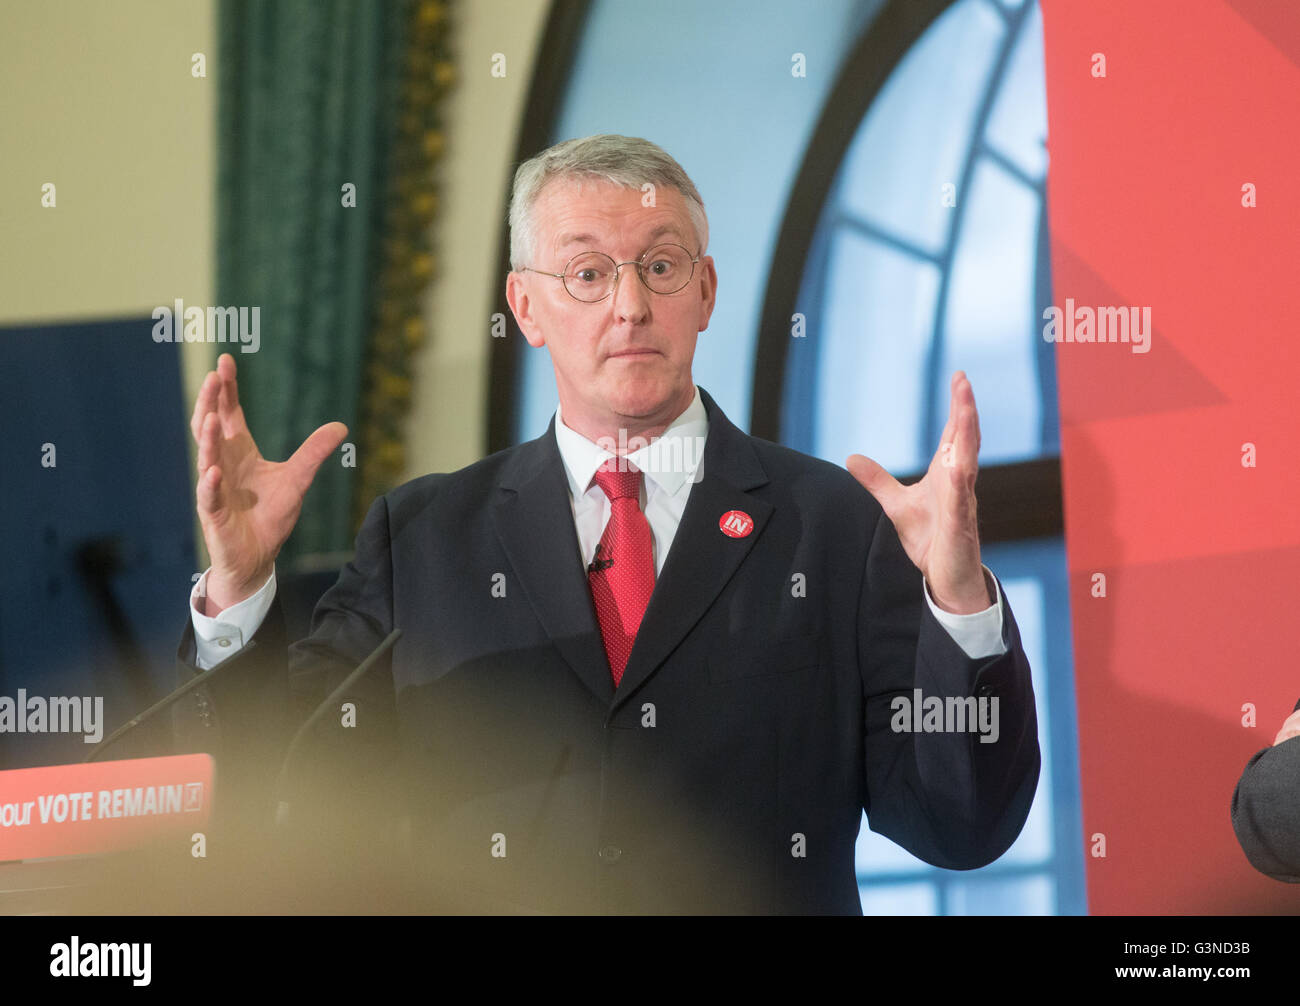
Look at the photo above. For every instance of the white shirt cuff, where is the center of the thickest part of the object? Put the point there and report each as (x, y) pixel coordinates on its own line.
(980, 634)
(216, 638)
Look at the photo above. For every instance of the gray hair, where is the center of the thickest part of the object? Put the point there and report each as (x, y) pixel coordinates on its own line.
(627, 161)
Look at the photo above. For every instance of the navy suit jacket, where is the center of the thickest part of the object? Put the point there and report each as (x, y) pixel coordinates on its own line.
(729, 770)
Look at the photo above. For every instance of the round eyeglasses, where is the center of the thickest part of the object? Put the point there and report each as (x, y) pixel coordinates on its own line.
(590, 276)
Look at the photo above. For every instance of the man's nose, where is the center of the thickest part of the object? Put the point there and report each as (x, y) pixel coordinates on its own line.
(631, 298)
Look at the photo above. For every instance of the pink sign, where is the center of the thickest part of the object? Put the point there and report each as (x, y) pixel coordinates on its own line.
(66, 810)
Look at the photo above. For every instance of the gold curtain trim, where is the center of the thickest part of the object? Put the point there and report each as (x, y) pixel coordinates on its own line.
(408, 262)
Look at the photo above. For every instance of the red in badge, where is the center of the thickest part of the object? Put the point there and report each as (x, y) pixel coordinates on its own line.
(736, 524)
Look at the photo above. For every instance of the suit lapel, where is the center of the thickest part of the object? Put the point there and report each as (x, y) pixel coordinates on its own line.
(534, 522)
(702, 558)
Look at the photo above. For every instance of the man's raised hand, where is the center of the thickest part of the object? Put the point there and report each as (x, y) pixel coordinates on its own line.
(935, 518)
(247, 505)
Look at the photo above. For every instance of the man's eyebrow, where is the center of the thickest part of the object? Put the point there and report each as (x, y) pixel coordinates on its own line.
(568, 239)
(663, 229)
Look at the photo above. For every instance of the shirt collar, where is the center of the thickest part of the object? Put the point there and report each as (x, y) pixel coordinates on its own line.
(669, 460)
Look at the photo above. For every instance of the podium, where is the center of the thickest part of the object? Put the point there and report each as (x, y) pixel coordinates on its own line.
(69, 833)
(145, 837)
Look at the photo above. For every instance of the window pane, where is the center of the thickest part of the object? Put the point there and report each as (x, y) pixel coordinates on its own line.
(1031, 895)
(917, 134)
(878, 854)
(1025, 596)
(989, 316)
(1034, 575)
(899, 899)
(875, 332)
(1018, 125)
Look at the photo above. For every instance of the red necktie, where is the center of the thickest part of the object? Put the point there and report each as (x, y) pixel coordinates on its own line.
(622, 575)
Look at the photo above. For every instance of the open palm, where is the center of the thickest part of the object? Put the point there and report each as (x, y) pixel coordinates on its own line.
(247, 505)
(935, 518)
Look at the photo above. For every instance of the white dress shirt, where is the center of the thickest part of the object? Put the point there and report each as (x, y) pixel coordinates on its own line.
(670, 465)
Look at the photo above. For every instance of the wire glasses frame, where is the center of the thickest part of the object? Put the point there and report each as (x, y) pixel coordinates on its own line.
(604, 281)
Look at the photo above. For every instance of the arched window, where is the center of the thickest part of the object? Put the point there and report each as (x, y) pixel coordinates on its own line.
(927, 253)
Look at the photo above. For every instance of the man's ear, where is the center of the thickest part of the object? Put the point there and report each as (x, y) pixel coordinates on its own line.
(520, 306)
(708, 290)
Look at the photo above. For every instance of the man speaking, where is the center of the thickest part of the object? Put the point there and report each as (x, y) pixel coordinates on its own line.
(648, 663)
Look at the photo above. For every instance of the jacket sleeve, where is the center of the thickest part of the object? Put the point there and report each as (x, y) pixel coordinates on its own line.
(955, 798)
(248, 712)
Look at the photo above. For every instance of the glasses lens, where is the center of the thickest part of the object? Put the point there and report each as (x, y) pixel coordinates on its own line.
(589, 276)
(667, 268)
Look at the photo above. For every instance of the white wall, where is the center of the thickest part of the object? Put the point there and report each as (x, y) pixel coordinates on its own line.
(100, 101)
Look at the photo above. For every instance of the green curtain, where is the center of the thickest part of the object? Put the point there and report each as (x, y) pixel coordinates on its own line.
(310, 95)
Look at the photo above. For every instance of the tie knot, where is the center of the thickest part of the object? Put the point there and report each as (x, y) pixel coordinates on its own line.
(616, 483)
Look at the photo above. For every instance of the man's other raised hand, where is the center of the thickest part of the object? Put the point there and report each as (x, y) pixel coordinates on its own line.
(247, 505)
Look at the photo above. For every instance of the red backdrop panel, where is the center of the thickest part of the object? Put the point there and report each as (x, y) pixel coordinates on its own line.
(1201, 554)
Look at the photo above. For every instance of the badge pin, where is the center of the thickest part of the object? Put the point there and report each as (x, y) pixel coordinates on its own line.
(736, 524)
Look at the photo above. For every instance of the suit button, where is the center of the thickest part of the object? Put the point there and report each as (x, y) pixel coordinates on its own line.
(611, 854)
(984, 690)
